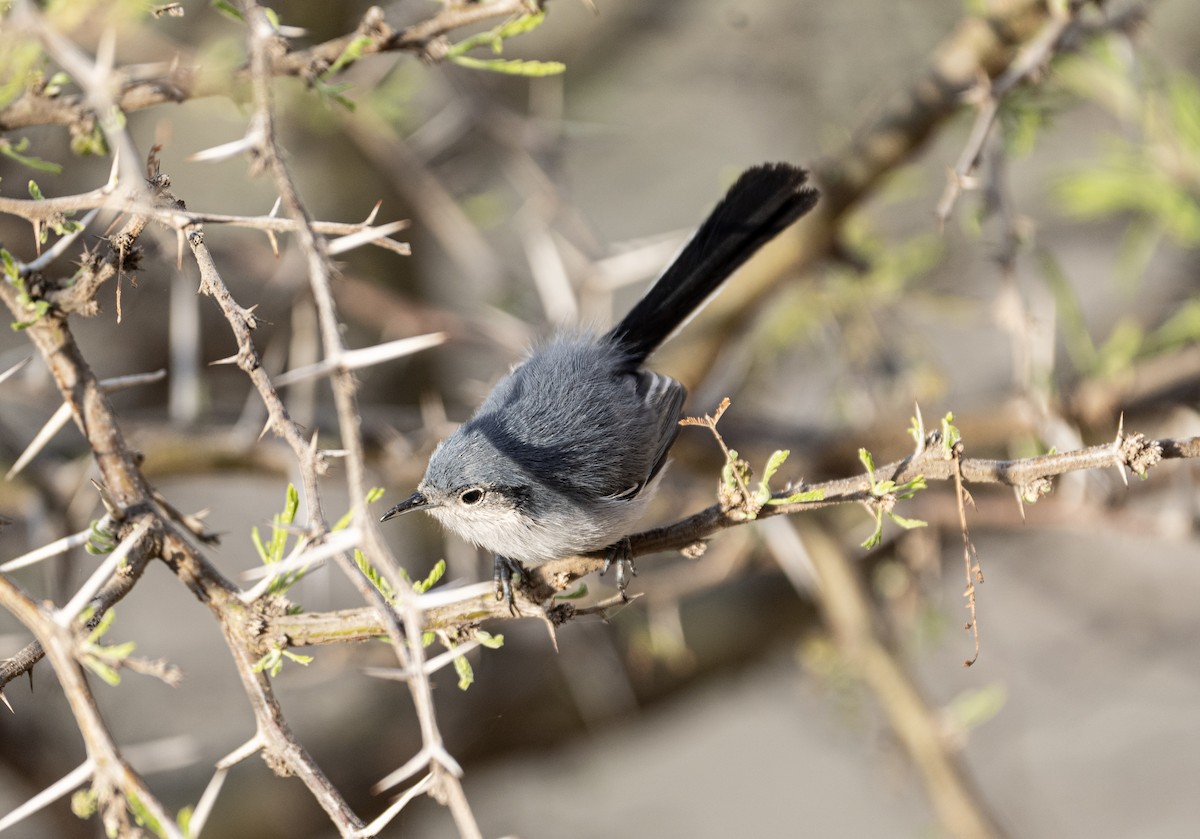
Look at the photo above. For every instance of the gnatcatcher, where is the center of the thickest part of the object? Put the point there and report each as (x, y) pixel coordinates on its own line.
(564, 454)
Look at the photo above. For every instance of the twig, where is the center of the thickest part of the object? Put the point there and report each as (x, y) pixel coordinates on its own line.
(970, 556)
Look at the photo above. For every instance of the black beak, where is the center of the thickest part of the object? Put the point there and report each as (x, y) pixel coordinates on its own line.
(416, 501)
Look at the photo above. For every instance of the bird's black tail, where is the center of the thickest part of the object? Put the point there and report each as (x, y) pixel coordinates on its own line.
(762, 202)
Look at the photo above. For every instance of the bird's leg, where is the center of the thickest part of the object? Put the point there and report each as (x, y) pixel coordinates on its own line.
(503, 570)
(622, 554)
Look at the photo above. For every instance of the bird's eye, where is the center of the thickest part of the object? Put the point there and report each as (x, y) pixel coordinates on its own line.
(471, 496)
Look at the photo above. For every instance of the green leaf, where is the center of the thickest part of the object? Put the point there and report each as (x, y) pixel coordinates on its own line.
(120, 652)
(373, 495)
(35, 191)
(263, 553)
(11, 272)
(376, 579)
(950, 433)
(89, 143)
(142, 815)
(184, 819)
(434, 575)
(353, 52)
(578, 594)
(55, 84)
(40, 308)
(909, 488)
(102, 626)
(800, 497)
(512, 66)
(875, 538)
(335, 93)
(868, 461)
(494, 38)
(487, 639)
(907, 524)
(884, 487)
(273, 551)
(14, 152)
(271, 661)
(228, 9)
(104, 671)
(776, 460)
(466, 676)
(100, 541)
(521, 25)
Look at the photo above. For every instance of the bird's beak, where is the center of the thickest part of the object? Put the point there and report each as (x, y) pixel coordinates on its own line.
(416, 501)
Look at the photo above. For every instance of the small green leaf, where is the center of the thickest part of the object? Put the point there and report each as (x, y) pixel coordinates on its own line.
(120, 652)
(104, 671)
(263, 553)
(55, 85)
(14, 152)
(868, 461)
(228, 9)
(909, 488)
(102, 626)
(89, 143)
(353, 52)
(512, 66)
(800, 497)
(376, 579)
(11, 273)
(907, 524)
(35, 191)
(466, 676)
(494, 38)
(487, 639)
(577, 594)
(950, 433)
(521, 25)
(298, 657)
(434, 575)
(335, 93)
(100, 541)
(272, 662)
(184, 819)
(875, 538)
(776, 460)
(142, 815)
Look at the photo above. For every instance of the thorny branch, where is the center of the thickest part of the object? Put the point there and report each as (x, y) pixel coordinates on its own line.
(143, 86)
(470, 606)
(251, 628)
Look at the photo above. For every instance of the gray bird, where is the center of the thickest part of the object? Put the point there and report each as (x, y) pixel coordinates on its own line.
(565, 453)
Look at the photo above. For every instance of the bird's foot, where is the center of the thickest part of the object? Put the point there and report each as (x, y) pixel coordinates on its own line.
(503, 570)
(620, 553)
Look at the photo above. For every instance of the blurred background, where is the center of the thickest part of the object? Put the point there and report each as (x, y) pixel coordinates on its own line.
(718, 703)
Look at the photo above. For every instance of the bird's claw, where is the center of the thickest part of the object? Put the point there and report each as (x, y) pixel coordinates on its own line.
(620, 553)
(503, 570)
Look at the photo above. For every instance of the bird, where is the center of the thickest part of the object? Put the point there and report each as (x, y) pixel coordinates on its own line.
(567, 450)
